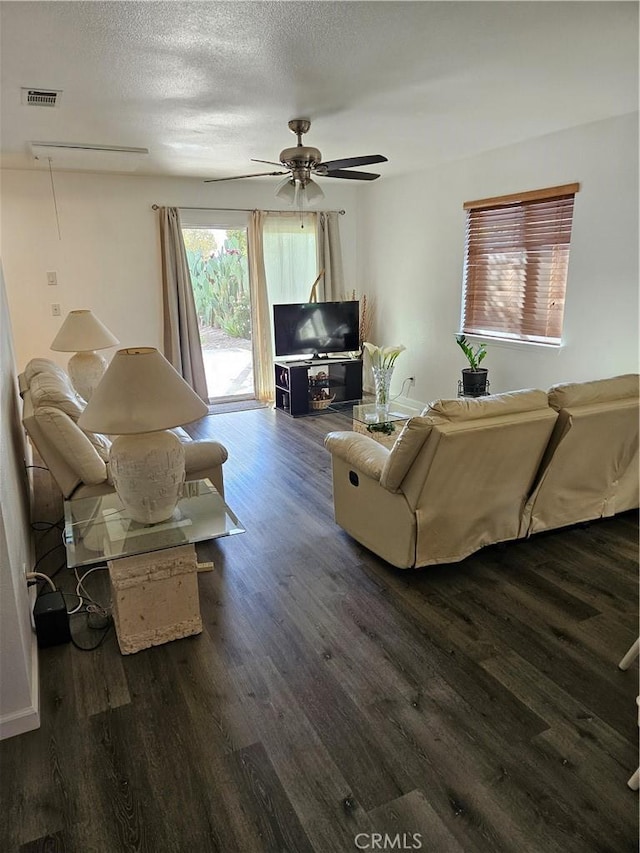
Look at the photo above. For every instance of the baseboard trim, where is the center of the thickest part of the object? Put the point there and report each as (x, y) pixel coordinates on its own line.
(26, 719)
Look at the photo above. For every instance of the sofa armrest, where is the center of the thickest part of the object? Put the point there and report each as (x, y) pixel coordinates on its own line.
(203, 454)
(359, 451)
(204, 460)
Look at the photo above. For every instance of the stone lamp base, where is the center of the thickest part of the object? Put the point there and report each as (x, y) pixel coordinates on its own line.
(85, 370)
(148, 473)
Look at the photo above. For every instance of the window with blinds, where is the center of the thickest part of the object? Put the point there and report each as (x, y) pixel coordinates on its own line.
(516, 262)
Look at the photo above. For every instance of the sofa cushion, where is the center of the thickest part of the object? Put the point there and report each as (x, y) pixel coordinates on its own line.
(405, 449)
(49, 388)
(54, 389)
(570, 394)
(43, 365)
(72, 444)
(492, 406)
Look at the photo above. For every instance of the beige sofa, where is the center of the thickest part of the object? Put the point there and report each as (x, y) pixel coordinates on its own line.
(590, 468)
(473, 472)
(79, 460)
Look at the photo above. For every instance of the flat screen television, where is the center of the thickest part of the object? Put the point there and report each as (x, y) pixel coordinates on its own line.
(315, 328)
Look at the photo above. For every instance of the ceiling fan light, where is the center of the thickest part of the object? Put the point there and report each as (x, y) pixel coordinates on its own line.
(312, 192)
(286, 190)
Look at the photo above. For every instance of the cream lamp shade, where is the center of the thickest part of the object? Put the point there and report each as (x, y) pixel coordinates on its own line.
(140, 397)
(83, 334)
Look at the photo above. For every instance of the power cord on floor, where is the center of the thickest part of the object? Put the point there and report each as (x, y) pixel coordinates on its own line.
(45, 526)
(81, 592)
(46, 553)
(103, 636)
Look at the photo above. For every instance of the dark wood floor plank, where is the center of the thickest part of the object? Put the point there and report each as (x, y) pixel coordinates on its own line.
(214, 706)
(334, 716)
(478, 703)
(191, 801)
(529, 774)
(544, 595)
(414, 820)
(484, 785)
(28, 761)
(560, 708)
(100, 683)
(47, 844)
(320, 795)
(450, 659)
(596, 587)
(581, 557)
(603, 637)
(425, 745)
(548, 646)
(598, 772)
(276, 825)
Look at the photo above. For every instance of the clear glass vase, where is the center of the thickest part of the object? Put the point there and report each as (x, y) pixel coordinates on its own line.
(382, 381)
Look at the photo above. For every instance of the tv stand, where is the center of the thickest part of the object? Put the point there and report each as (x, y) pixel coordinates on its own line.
(302, 387)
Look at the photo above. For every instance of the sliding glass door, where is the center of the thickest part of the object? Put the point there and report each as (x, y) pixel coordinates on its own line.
(216, 246)
(217, 258)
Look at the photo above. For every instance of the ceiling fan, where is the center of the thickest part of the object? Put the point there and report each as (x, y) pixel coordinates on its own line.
(303, 161)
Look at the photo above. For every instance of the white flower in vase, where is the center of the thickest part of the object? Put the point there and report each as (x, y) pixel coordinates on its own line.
(382, 360)
(384, 357)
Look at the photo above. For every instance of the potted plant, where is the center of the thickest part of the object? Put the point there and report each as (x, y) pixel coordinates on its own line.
(474, 377)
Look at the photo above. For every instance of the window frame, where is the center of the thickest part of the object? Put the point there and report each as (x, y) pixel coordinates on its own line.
(528, 234)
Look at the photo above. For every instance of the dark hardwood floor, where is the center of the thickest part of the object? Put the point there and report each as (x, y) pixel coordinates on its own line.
(471, 707)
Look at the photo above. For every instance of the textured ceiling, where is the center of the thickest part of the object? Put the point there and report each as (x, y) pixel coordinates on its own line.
(208, 86)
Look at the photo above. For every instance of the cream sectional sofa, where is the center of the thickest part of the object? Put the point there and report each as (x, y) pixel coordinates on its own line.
(79, 460)
(473, 472)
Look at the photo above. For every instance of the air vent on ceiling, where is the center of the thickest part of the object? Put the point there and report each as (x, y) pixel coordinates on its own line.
(41, 97)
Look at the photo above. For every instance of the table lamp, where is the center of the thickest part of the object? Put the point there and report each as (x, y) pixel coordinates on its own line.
(83, 334)
(138, 399)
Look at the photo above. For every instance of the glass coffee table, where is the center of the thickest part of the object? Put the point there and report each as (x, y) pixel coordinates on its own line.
(367, 418)
(98, 528)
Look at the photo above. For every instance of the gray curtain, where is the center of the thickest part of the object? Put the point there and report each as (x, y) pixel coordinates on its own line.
(330, 255)
(181, 333)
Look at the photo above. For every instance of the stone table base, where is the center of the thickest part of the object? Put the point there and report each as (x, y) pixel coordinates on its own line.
(155, 597)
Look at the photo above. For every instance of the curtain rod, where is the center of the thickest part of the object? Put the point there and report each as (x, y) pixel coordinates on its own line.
(249, 209)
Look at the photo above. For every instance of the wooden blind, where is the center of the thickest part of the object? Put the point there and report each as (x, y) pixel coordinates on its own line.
(516, 262)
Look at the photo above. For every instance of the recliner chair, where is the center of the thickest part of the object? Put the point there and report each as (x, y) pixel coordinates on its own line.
(456, 479)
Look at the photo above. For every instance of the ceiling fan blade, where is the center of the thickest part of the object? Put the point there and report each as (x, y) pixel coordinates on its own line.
(348, 162)
(272, 162)
(353, 176)
(237, 177)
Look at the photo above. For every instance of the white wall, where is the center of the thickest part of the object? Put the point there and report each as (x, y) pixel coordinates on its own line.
(411, 246)
(19, 711)
(408, 252)
(109, 256)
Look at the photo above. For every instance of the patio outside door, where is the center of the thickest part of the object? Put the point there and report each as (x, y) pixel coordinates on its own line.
(217, 260)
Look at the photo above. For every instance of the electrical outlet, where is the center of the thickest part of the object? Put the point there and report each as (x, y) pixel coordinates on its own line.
(55, 309)
(52, 278)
